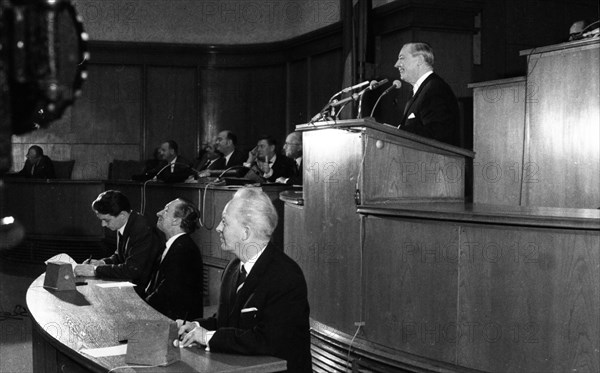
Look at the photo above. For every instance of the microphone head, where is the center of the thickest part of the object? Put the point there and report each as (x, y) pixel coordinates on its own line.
(397, 84)
(376, 84)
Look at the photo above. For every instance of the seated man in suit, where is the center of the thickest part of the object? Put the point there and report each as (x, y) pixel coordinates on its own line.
(293, 150)
(433, 109)
(263, 305)
(37, 165)
(137, 244)
(176, 286)
(266, 163)
(172, 167)
(208, 158)
(226, 144)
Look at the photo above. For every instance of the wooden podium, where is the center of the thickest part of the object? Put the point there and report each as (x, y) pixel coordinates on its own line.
(350, 163)
(405, 274)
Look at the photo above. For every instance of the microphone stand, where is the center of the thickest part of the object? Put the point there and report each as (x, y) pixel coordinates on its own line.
(155, 178)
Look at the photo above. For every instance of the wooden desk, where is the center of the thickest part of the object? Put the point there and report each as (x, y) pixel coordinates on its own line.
(92, 317)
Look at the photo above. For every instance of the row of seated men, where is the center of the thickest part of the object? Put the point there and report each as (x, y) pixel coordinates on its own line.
(263, 305)
(223, 157)
(261, 164)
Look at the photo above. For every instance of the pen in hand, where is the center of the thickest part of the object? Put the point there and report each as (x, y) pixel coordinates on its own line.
(88, 260)
(184, 322)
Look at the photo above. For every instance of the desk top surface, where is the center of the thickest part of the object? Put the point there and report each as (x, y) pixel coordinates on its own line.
(93, 317)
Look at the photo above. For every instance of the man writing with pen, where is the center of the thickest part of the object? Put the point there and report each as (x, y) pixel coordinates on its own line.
(263, 305)
(137, 245)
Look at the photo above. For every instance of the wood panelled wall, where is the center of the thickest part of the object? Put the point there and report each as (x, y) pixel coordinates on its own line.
(140, 94)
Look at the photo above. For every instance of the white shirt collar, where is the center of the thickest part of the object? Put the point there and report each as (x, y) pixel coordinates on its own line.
(252, 261)
(298, 161)
(227, 157)
(122, 229)
(420, 81)
(169, 243)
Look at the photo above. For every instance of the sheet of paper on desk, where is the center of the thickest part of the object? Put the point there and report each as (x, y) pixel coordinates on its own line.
(66, 258)
(105, 351)
(122, 284)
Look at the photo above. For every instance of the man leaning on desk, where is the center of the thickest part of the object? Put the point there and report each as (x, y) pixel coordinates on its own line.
(137, 245)
(263, 305)
(267, 164)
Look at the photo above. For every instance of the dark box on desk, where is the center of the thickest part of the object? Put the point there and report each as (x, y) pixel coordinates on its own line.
(151, 343)
(59, 276)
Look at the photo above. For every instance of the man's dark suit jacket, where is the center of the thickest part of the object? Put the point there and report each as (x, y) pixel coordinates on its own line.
(282, 167)
(181, 171)
(135, 254)
(176, 285)
(296, 178)
(237, 159)
(268, 316)
(43, 170)
(433, 112)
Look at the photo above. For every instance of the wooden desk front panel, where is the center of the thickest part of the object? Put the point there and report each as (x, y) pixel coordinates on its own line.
(529, 299)
(396, 169)
(54, 209)
(410, 277)
(498, 134)
(564, 135)
(487, 297)
(332, 226)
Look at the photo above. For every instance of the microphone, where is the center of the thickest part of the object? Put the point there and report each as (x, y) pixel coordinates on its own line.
(356, 86)
(376, 84)
(373, 85)
(349, 89)
(227, 170)
(321, 114)
(395, 85)
(354, 97)
(155, 178)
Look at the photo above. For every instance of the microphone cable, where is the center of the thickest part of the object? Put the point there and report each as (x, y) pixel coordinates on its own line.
(155, 178)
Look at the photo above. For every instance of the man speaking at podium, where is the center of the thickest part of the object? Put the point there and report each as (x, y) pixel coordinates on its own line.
(263, 305)
(432, 111)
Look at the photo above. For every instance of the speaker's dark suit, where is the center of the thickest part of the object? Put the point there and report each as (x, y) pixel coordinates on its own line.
(43, 170)
(433, 112)
(135, 254)
(176, 284)
(268, 316)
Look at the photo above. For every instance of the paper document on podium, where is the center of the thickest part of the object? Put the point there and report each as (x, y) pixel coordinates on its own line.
(121, 284)
(105, 351)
